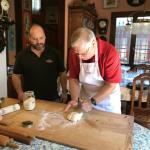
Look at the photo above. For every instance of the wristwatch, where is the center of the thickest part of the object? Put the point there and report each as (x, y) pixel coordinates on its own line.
(93, 101)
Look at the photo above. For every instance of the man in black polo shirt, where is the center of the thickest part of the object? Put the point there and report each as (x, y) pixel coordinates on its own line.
(40, 67)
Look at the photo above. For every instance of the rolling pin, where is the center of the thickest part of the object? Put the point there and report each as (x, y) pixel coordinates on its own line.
(14, 130)
(6, 141)
(6, 122)
(9, 109)
(18, 135)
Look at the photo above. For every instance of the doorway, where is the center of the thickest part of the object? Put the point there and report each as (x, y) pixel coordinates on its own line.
(50, 15)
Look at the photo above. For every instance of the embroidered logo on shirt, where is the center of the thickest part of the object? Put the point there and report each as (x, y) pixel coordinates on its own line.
(49, 61)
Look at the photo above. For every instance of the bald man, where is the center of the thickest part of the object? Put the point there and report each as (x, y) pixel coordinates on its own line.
(40, 66)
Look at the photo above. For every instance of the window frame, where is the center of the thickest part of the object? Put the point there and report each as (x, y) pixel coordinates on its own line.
(133, 14)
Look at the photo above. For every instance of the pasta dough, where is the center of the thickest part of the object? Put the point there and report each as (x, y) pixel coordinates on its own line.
(74, 116)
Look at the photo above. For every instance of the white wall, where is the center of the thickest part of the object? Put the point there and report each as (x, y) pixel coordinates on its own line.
(3, 74)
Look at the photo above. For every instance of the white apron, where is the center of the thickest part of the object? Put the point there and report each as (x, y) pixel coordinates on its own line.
(91, 81)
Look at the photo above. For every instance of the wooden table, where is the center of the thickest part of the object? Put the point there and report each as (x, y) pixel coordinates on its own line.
(97, 129)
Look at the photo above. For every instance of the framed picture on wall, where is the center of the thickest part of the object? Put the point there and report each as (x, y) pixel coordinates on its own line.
(110, 3)
(26, 27)
(27, 5)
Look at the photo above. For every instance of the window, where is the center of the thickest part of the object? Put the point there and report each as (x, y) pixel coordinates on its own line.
(36, 6)
(133, 49)
(142, 49)
(122, 39)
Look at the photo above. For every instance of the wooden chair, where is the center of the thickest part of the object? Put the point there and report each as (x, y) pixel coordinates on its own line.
(140, 108)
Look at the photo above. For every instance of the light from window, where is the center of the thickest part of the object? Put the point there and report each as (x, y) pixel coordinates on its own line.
(142, 47)
(123, 43)
(123, 39)
(36, 6)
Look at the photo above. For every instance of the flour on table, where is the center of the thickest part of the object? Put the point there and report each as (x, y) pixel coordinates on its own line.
(52, 120)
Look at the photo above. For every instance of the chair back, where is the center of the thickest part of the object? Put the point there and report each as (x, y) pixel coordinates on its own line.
(140, 93)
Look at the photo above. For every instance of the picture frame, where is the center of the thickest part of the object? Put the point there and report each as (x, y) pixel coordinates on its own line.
(110, 3)
(26, 27)
(27, 5)
(135, 3)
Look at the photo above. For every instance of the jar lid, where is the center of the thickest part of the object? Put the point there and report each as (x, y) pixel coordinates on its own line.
(27, 124)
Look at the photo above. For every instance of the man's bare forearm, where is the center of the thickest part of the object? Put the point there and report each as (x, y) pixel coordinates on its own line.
(63, 81)
(17, 83)
(74, 88)
(104, 91)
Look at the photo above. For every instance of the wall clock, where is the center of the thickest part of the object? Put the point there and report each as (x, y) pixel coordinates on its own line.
(135, 2)
(5, 5)
(102, 24)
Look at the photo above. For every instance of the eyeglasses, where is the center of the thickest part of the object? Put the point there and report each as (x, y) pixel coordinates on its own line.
(83, 53)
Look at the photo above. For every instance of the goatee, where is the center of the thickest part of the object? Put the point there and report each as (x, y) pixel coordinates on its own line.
(38, 47)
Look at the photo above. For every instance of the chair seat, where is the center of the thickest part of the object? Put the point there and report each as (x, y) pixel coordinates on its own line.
(142, 117)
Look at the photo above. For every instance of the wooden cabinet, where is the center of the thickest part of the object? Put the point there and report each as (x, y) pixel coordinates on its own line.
(81, 16)
(23, 22)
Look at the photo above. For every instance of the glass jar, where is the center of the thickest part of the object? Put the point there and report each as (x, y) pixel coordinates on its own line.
(28, 94)
(29, 100)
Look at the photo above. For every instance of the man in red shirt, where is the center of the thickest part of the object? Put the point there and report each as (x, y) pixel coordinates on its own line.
(94, 73)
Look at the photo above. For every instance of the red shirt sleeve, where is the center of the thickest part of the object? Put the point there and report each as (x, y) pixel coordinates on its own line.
(109, 62)
(74, 66)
